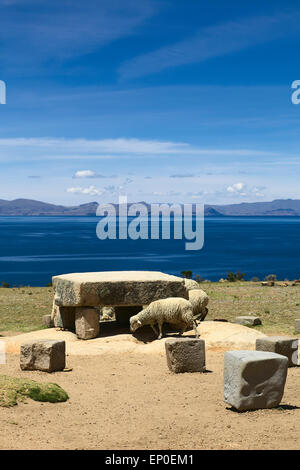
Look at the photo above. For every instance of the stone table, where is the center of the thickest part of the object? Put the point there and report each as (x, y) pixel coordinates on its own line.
(78, 296)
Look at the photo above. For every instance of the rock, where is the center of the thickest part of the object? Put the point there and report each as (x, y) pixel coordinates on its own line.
(107, 313)
(47, 321)
(87, 322)
(44, 355)
(185, 354)
(122, 288)
(190, 284)
(123, 314)
(297, 326)
(281, 345)
(268, 283)
(254, 379)
(248, 320)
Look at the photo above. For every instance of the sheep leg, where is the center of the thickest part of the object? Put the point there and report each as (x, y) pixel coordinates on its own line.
(154, 329)
(183, 329)
(160, 331)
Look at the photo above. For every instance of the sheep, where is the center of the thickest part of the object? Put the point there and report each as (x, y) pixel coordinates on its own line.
(199, 300)
(190, 284)
(174, 310)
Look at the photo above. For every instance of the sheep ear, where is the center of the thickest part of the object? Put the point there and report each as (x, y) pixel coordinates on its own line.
(139, 322)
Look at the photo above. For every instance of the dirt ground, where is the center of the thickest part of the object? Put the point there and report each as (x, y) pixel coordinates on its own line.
(132, 401)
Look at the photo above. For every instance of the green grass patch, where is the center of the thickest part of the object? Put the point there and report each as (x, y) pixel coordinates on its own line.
(14, 389)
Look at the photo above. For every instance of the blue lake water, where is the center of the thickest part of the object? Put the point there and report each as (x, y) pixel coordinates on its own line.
(35, 248)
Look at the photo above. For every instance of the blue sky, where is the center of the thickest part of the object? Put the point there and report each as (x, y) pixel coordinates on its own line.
(159, 100)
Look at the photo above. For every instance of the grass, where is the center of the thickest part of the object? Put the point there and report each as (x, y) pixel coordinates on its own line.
(22, 309)
(276, 306)
(14, 389)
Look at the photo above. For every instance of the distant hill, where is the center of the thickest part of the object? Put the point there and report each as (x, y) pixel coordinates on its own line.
(29, 207)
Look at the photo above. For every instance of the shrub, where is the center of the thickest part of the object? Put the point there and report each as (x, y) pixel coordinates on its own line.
(238, 276)
(271, 277)
(187, 274)
(6, 285)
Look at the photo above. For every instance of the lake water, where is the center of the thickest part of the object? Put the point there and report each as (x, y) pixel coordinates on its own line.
(35, 248)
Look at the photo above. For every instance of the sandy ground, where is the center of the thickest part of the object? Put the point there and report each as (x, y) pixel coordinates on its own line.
(130, 400)
(134, 402)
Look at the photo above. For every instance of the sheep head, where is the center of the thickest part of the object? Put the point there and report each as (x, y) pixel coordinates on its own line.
(135, 323)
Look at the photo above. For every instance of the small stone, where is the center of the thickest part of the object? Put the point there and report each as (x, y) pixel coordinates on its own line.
(185, 354)
(281, 345)
(254, 379)
(87, 322)
(47, 321)
(44, 355)
(248, 320)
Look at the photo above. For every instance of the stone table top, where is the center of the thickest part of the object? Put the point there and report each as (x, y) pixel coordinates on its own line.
(119, 288)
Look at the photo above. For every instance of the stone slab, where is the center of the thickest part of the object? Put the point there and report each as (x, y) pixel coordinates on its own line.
(281, 345)
(117, 288)
(44, 355)
(254, 379)
(185, 354)
(248, 320)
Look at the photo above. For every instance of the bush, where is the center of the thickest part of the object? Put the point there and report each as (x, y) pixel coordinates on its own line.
(238, 276)
(187, 274)
(199, 278)
(6, 285)
(271, 277)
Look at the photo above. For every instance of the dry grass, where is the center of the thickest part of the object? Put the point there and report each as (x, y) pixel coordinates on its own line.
(277, 306)
(21, 309)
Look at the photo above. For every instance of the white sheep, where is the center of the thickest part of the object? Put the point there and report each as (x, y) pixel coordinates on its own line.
(174, 310)
(190, 284)
(199, 300)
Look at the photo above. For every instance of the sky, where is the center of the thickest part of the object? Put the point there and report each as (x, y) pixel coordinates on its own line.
(158, 100)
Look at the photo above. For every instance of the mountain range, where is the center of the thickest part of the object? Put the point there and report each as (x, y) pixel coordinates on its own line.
(29, 207)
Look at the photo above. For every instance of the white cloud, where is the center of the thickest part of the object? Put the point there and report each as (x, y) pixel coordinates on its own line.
(21, 149)
(90, 191)
(241, 189)
(84, 174)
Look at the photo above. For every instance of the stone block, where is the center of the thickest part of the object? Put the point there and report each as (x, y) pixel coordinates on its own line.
(44, 355)
(87, 322)
(47, 321)
(281, 345)
(122, 288)
(248, 320)
(185, 354)
(254, 379)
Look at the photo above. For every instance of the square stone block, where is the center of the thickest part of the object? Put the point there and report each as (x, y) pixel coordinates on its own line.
(87, 322)
(44, 355)
(254, 379)
(248, 320)
(185, 354)
(281, 345)
(47, 321)
(297, 326)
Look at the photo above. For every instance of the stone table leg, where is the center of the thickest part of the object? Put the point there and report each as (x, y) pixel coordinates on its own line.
(87, 322)
(63, 317)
